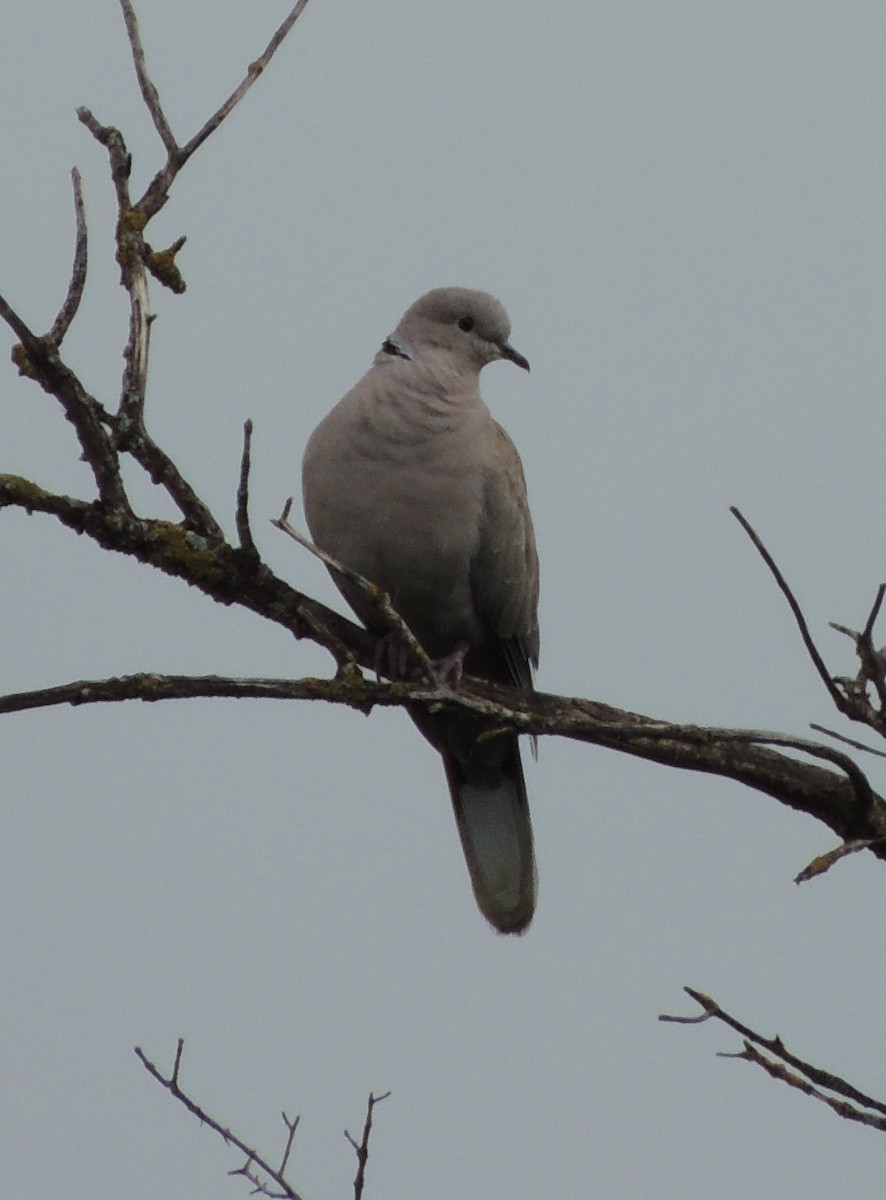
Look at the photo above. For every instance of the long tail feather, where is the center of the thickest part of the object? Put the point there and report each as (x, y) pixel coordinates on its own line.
(492, 814)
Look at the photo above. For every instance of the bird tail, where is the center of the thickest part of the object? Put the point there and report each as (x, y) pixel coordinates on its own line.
(492, 814)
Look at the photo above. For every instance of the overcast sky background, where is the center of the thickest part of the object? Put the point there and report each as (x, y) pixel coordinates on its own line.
(682, 207)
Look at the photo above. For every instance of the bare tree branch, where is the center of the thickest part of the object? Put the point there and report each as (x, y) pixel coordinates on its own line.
(379, 599)
(849, 695)
(291, 1127)
(120, 160)
(148, 91)
(20, 329)
(741, 755)
(158, 190)
(287, 1192)
(255, 69)
(136, 258)
(244, 532)
(362, 1151)
(197, 552)
(872, 668)
(824, 862)
(38, 358)
(846, 1100)
(68, 310)
(215, 568)
(836, 695)
(848, 741)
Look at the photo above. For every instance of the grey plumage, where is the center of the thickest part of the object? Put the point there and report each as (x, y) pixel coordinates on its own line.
(410, 482)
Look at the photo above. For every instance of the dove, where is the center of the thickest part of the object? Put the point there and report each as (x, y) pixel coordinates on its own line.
(410, 482)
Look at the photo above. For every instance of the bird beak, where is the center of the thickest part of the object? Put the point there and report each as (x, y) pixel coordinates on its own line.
(508, 351)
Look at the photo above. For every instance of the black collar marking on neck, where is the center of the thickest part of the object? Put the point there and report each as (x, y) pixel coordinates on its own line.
(390, 347)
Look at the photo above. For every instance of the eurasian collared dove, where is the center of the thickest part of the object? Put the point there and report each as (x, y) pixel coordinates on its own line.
(411, 483)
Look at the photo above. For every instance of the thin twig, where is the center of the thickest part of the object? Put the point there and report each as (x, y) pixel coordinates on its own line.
(344, 657)
(291, 1127)
(136, 258)
(131, 254)
(875, 611)
(164, 268)
(68, 310)
(17, 325)
(244, 532)
(848, 740)
(824, 862)
(362, 1151)
(835, 694)
(120, 159)
(379, 599)
(252, 1156)
(778, 1070)
(872, 661)
(157, 192)
(255, 69)
(133, 437)
(148, 90)
(179, 1051)
(818, 1078)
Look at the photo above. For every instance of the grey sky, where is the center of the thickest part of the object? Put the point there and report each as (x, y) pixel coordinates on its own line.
(681, 207)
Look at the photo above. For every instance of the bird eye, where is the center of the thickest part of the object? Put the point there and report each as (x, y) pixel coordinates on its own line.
(466, 323)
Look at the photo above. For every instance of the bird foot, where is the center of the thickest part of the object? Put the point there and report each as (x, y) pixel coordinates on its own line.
(391, 657)
(392, 661)
(452, 667)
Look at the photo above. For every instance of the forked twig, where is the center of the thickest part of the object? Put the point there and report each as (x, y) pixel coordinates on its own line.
(847, 1101)
(872, 661)
(157, 191)
(362, 1151)
(287, 1192)
(39, 358)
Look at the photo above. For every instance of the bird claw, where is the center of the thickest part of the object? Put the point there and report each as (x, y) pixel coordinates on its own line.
(392, 661)
(391, 657)
(452, 667)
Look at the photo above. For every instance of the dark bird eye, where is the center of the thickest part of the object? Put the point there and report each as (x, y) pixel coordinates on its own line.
(466, 323)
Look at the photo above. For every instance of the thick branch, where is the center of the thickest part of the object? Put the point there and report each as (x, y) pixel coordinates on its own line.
(38, 358)
(735, 754)
(215, 568)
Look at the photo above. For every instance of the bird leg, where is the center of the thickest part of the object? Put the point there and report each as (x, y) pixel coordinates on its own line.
(392, 654)
(452, 667)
